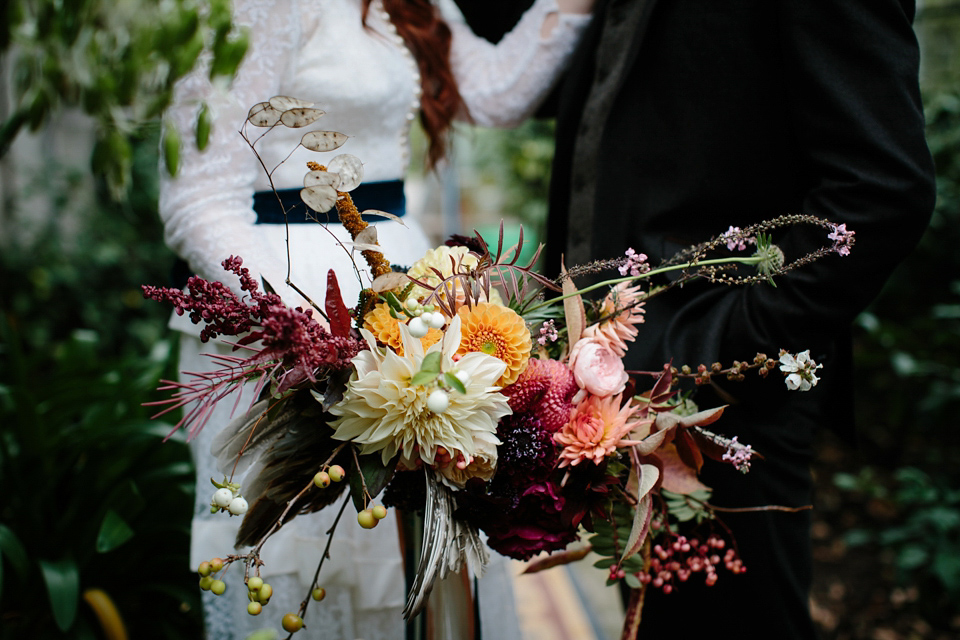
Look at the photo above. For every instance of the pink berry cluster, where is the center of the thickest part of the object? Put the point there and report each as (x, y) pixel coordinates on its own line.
(683, 557)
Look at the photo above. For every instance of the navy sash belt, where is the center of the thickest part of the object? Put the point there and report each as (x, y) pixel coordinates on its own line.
(382, 196)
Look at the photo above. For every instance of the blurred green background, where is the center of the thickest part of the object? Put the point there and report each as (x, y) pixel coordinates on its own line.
(91, 498)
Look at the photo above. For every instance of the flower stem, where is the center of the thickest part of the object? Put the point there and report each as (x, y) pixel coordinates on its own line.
(648, 274)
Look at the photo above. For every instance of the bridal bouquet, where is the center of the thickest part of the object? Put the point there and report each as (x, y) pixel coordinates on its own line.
(476, 391)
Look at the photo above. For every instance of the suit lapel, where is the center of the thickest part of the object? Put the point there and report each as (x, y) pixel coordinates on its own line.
(599, 70)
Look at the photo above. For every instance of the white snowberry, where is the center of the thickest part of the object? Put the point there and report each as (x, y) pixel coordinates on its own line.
(418, 328)
(222, 497)
(238, 506)
(438, 401)
(434, 320)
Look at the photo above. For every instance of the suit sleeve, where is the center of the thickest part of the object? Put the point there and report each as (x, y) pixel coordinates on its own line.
(856, 113)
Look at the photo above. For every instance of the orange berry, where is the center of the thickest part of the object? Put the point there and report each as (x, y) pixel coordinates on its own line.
(319, 594)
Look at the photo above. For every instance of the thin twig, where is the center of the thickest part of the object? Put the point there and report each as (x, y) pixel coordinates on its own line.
(326, 554)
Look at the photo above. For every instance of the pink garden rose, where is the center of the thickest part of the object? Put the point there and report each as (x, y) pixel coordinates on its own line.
(597, 368)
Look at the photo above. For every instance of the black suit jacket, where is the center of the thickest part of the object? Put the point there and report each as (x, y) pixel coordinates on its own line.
(679, 118)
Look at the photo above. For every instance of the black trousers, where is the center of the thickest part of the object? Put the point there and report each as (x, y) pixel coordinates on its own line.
(770, 601)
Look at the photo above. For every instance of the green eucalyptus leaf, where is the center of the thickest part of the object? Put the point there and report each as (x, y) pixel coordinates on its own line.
(431, 362)
(454, 382)
(393, 302)
(114, 531)
(423, 378)
(62, 578)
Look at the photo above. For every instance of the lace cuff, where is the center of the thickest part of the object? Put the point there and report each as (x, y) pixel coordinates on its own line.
(504, 84)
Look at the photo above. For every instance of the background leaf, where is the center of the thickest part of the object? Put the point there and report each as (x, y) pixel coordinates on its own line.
(114, 531)
(62, 578)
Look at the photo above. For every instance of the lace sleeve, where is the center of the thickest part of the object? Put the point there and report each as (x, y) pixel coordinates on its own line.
(503, 84)
(207, 210)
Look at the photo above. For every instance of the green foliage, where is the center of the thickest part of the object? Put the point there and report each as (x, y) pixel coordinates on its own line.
(908, 398)
(83, 268)
(93, 496)
(610, 538)
(117, 60)
(518, 163)
(924, 538)
(685, 508)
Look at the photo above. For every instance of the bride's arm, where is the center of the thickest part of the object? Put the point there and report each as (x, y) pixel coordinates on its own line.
(503, 84)
(207, 210)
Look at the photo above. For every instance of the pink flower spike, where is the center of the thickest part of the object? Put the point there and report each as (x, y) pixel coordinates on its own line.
(842, 239)
(635, 264)
(548, 333)
(735, 240)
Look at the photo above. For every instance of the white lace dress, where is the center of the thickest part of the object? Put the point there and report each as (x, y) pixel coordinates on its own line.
(367, 82)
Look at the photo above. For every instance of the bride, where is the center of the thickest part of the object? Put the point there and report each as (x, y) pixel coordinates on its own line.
(373, 66)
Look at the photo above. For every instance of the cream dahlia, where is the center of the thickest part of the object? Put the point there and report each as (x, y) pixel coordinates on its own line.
(596, 428)
(496, 331)
(482, 465)
(382, 411)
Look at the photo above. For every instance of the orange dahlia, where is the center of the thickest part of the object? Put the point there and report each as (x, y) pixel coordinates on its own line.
(386, 329)
(596, 428)
(497, 331)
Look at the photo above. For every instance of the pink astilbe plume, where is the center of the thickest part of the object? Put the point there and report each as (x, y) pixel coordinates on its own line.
(596, 428)
(288, 346)
(621, 311)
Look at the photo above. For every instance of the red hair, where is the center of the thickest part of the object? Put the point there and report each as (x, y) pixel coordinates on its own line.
(427, 35)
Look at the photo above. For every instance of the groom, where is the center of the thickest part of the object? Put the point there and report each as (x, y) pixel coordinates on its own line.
(679, 118)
